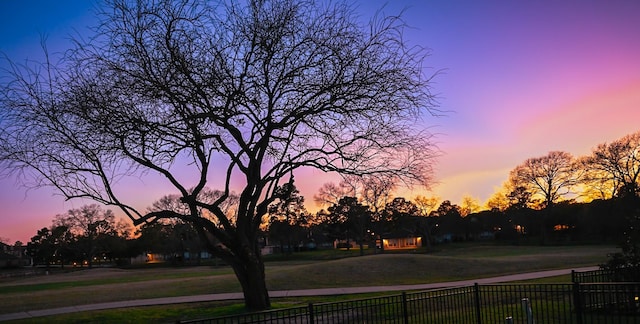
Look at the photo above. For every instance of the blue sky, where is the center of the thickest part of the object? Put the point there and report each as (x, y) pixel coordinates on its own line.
(520, 78)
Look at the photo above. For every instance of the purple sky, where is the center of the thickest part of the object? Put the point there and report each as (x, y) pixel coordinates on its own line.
(522, 78)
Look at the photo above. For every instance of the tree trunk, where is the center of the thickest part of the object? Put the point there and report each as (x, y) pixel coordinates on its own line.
(251, 276)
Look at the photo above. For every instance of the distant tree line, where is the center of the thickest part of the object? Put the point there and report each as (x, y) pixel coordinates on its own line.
(549, 200)
(88, 236)
(81, 237)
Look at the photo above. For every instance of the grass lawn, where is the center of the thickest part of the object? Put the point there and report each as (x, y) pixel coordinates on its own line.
(307, 270)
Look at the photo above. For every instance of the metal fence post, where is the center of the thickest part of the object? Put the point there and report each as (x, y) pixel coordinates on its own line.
(577, 302)
(405, 311)
(476, 289)
(311, 315)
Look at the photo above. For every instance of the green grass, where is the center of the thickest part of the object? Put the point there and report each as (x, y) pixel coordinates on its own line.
(125, 276)
(306, 270)
(450, 265)
(151, 314)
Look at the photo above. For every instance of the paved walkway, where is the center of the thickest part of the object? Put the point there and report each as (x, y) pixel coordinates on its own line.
(284, 293)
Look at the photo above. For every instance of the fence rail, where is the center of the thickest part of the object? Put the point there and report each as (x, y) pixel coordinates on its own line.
(606, 275)
(581, 303)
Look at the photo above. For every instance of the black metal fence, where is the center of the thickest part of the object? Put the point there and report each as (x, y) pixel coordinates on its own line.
(582, 303)
(606, 275)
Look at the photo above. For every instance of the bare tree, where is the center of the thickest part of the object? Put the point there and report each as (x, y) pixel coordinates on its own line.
(597, 184)
(615, 167)
(549, 177)
(373, 190)
(330, 193)
(377, 192)
(249, 92)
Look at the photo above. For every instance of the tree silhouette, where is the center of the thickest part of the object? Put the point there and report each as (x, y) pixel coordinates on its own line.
(372, 190)
(615, 167)
(247, 92)
(425, 206)
(349, 219)
(48, 245)
(499, 200)
(549, 177)
(446, 208)
(627, 262)
(469, 205)
(330, 193)
(449, 220)
(399, 218)
(90, 226)
(286, 214)
(399, 208)
(519, 198)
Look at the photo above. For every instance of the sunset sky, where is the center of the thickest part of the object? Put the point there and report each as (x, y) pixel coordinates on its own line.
(518, 79)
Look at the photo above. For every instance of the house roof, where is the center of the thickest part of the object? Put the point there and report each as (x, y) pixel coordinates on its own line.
(399, 233)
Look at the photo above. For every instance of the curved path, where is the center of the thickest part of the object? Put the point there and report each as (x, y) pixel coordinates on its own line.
(285, 293)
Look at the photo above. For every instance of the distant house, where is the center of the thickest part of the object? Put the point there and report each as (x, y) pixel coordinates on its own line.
(389, 243)
(13, 256)
(401, 241)
(152, 257)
